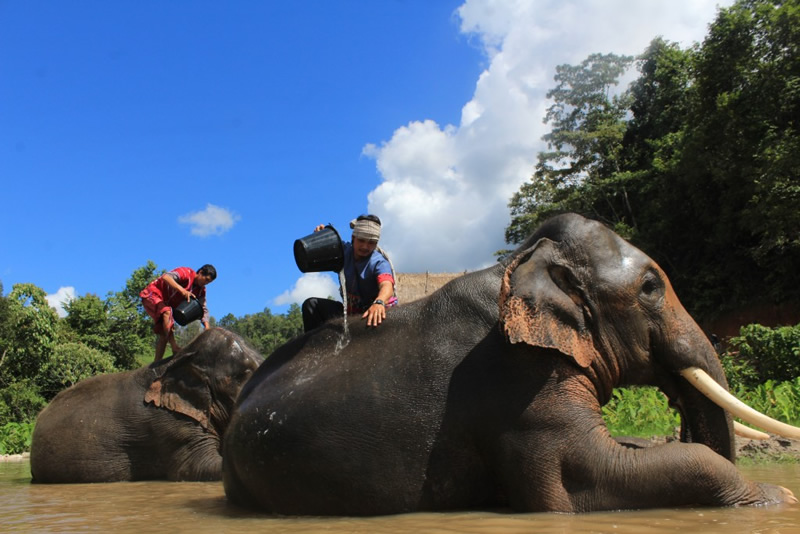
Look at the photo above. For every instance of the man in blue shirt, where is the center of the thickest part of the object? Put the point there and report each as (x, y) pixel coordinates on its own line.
(369, 279)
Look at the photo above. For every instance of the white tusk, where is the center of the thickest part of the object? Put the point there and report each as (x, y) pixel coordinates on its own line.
(747, 432)
(709, 387)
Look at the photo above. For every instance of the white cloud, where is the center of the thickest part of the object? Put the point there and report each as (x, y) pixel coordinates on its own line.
(445, 188)
(211, 221)
(309, 285)
(59, 298)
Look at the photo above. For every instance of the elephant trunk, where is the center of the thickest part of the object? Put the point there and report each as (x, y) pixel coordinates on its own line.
(703, 421)
(704, 400)
(686, 346)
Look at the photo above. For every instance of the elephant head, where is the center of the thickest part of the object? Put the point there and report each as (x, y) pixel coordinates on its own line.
(580, 289)
(203, 380)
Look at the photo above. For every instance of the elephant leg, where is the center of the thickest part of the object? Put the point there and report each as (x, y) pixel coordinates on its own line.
(674, 474)
(600, 475)
(198, 460)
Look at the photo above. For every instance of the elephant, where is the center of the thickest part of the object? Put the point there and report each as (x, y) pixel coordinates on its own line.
(487, 394)
(163, 421)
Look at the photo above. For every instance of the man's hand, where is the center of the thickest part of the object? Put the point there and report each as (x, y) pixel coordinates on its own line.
(375, 314)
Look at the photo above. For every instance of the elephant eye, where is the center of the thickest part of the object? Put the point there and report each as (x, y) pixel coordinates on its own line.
(651, 285)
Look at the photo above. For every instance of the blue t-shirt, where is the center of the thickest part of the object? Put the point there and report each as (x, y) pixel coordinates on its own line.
(361, 278)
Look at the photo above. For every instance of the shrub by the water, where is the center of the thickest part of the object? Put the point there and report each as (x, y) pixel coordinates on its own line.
(640, 412)
(20, 402)
(760, 353)
(69, 364)
(779, 400)
(15, 438)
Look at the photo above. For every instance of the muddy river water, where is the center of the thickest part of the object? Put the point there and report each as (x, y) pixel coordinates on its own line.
(200, 507)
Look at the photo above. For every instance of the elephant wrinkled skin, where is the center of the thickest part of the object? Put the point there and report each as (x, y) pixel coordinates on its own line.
(488, 393)
(163, 421)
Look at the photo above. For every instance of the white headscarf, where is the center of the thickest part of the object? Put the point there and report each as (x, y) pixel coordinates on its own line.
(366, 229)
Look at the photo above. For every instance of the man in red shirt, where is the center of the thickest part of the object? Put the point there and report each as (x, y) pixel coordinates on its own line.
(167, 291)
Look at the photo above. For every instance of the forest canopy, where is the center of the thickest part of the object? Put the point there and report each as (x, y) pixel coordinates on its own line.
(697, 162)
(42, 353)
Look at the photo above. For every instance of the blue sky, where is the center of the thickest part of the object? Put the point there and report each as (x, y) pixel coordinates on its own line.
(219, 132)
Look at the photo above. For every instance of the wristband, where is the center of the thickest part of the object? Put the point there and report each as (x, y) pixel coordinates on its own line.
(379, 301)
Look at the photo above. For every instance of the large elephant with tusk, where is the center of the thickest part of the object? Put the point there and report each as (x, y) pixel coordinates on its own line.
(488, 393)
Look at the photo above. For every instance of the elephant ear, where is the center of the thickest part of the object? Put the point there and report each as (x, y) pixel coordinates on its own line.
(183, 388)
(543, 304)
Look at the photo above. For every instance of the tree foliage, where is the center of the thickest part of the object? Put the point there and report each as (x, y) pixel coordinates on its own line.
(130, 331)
(31, 333)
(41, 354)
(761, 353)
(117, 325)
(585, 141)
(266, 331)
(697, 162)
(69, 364)
(87, 317)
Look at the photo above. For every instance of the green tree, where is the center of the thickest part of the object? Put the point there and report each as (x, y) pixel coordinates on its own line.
(31, 333)
(704, 178)
(265, 331)
(87, 317)
(129, 298)
(27, 335)
(662, 99)
(69, 364)
(588, 124)
(5, 328)
(765, 354)
(742, 158)
(130, 334)
(20, 402)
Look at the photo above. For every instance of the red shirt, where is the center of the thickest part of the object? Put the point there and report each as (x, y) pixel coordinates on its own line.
(159, 289)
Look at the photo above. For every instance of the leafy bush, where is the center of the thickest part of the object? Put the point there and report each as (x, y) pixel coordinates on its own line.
(740, 372)
(29, 333)
(644, 412)
(640, 412)
(779, 400)
(70, 363)
(763, 354)
(126, 342)
(15, 438)
(20, 402)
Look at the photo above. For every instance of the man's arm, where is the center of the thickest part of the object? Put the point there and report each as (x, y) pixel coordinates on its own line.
(376, 313)
(170, 279)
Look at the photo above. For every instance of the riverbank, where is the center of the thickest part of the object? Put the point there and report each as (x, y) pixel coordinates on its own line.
(774, 449)
(15, 457)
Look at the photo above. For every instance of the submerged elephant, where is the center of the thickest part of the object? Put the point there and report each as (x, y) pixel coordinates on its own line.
(163, 421)
(488, 393)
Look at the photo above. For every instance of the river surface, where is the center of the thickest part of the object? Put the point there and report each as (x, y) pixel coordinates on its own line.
(200, 507)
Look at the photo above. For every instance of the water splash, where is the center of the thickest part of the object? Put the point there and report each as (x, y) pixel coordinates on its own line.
(344, 339)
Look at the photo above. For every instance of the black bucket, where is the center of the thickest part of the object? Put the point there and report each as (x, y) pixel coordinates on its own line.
(320, 251)
(187, 311)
